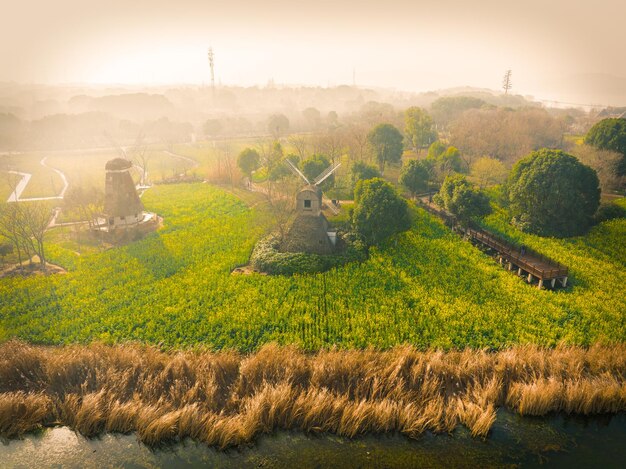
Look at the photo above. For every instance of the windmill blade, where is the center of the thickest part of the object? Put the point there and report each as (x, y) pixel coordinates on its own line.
(296, 171)
(326, 173)
(331, 206)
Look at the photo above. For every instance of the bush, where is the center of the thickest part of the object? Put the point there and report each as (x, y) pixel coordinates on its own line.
(609, 212)
(266, 257)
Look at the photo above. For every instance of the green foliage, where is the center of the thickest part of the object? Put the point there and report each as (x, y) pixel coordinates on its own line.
(415, 176)
(277, 125)
(425, 287)
(448, 108)
(314, 166)
(459, 198)
(360, 171)
(610, 134)
(435, 150)
(609, 212)
(266, 257)
(488, 171)
(379, 211)
(419, 127)
(386, 141)
(445, 160)
(551, 193)
(248, 161)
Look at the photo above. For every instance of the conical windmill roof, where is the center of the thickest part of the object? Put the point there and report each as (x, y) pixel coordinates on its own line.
(118, 164)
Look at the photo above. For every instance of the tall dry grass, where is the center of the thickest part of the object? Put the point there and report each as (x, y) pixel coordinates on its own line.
(225, 399)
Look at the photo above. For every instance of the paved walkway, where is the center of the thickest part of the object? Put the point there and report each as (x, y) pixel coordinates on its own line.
(16, 195)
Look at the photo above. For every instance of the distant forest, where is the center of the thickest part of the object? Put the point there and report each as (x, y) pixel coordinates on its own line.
(46, 117)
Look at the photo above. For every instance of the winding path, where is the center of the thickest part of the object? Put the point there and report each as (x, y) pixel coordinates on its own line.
(16, 196)
(194, 163)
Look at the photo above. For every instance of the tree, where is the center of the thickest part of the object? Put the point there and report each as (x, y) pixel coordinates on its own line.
(504, 134)
(415, 176)
(314, 166)
(212, 127)
(419, 127)
(506, 82)
(312, 117)
(86, 201)
(360, 171)
(451, 161)
(5, 250)
(459, 198)
(277, 125)
(436, 149)
(605, 163)
(300, 143)
(386, 142)
(551, 193)
(445, 160)
(610, 134)
(448, 108)
(379, 211)
(488, 171)
(248, 161)
(35, 220)
(357, 142)
(24, 224)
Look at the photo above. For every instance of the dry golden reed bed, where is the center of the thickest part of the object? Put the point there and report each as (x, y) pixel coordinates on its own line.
(225, 399)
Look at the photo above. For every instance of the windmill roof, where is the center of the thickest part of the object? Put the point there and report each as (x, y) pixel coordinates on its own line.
(312, 188)
(118, 164)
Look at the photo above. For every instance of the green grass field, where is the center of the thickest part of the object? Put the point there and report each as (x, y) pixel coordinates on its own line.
(426, 287)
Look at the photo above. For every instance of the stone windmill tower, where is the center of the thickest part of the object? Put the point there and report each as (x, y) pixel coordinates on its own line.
(310, 231)
(122, 206)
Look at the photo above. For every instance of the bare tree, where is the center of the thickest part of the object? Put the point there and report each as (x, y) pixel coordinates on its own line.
(301, 143)
(141, 156)
(332, 144)
(87, 202)
(357, 142)
(281, 201)
(227, 157)
(506, 82)
(24, 225)
(34, 220)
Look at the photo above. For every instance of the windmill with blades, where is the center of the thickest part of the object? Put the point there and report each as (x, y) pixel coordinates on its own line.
(310, 231)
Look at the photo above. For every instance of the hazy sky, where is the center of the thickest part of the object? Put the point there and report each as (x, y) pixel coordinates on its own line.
(412, 45)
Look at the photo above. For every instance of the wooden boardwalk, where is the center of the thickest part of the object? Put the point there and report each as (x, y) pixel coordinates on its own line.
(519, 259)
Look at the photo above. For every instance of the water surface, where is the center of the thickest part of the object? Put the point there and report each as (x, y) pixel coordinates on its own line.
(557, 441)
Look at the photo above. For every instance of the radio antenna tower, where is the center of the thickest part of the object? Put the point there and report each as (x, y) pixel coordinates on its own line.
(211, 64)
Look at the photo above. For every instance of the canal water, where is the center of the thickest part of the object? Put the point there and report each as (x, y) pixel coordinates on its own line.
(557, 441)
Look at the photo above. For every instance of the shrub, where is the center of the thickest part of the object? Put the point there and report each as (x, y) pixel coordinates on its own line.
(266, 257)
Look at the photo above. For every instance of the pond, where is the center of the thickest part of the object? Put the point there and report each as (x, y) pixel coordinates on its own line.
(557, 441)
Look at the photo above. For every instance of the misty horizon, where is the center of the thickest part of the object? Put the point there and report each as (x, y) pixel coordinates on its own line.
(557, 52)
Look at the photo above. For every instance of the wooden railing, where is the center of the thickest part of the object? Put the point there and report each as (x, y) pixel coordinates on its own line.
(523, 260)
